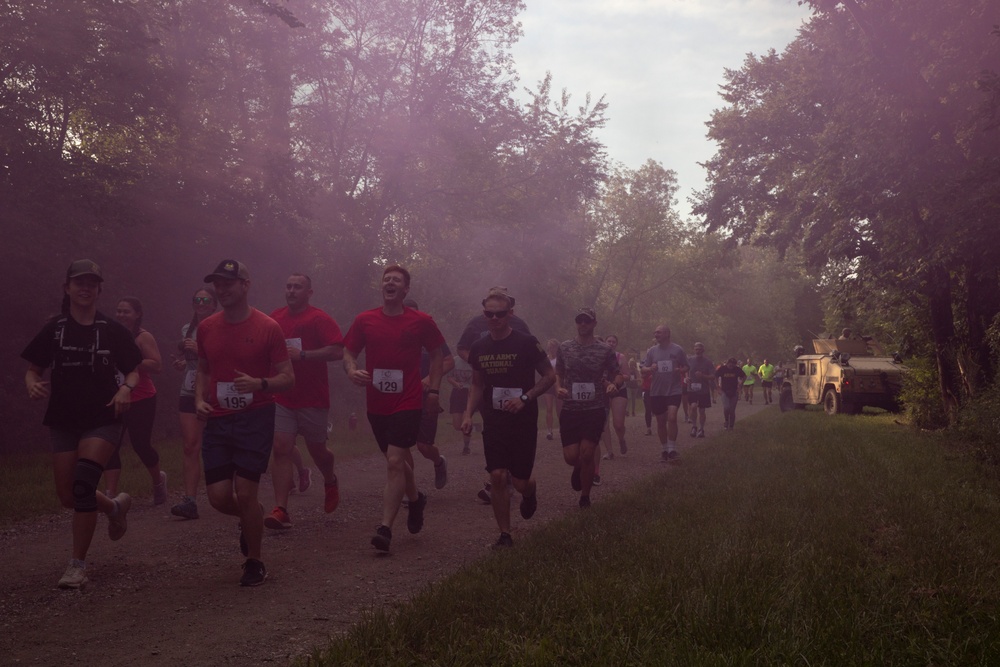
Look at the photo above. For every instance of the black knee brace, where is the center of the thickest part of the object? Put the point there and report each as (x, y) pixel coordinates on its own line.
(85, 480)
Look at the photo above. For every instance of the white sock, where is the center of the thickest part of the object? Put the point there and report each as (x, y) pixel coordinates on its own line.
(671, 445)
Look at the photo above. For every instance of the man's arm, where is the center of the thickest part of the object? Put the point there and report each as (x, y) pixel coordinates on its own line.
(475, 396)
(354, 374)
(326, 353)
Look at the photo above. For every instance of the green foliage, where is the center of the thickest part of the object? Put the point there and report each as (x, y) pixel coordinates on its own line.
(921, 394)
(979, 424)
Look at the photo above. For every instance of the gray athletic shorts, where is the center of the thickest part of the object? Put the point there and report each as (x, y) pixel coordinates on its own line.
(67, 440)
(310, 423)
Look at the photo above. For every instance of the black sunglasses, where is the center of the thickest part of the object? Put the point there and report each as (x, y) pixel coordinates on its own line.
(202, 299)
(498, 314)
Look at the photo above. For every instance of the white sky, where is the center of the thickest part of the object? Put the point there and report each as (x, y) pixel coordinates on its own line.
(659, 64)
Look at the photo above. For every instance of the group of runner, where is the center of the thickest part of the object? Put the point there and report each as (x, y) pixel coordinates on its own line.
(253, 383)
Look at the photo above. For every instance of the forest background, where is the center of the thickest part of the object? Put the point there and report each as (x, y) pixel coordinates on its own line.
(857, 179)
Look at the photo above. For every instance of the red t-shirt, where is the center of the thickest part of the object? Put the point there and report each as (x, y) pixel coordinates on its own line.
(392, 355)
(252, 346)
(314, 329)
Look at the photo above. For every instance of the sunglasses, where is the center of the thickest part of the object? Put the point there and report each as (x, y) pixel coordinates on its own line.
(202, 299)
(498, 314)
(583, 319)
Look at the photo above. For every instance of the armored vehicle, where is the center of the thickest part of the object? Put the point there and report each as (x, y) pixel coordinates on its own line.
(844, 375)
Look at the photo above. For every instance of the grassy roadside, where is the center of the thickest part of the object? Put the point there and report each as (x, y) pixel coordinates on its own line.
(798, 539)
(26, 486)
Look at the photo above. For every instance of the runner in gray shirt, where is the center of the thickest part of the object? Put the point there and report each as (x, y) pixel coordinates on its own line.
(702, 378)
(666, 362)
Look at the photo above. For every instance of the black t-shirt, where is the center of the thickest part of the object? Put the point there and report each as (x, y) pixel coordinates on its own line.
(84, 360)
(508, 369)
(730, 379)
(478, 327)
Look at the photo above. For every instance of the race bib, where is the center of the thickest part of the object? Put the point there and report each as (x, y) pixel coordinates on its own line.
(295, 343)
(504, 395)
(695, 386)
(388, 380)
(582, 391)
(119, 378)
(665, 366)
(189, 377)
(229, 398)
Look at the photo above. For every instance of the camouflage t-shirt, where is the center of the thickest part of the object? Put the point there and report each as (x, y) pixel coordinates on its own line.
(582, 370)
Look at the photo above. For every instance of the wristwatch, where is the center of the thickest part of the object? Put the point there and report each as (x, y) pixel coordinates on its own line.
(524, 398)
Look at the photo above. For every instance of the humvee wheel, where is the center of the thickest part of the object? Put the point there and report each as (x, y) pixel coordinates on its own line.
(831, 402)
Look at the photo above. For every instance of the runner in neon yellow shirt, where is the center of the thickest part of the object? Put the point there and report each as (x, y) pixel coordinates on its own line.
(751, 372)
(766, 373)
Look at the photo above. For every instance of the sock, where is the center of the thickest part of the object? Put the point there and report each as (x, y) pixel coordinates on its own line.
(114, 511)
(78, 563)
(671, 445)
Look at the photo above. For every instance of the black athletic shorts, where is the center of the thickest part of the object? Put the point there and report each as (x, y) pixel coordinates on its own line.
(578, 425)
(399, 429)
(659, 404)
(510, 444)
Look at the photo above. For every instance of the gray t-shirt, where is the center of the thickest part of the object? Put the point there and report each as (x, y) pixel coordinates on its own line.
(582, 370)
(666, 363)
(699, 385)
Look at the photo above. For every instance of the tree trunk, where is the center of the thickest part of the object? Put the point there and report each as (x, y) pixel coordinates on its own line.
(943, 334)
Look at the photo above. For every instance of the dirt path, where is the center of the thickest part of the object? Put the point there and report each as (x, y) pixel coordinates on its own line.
(168, 593)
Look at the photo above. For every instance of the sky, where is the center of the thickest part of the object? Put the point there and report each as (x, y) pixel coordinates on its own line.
(658, 63)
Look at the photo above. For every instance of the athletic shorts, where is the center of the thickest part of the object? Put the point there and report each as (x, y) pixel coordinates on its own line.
(510, 444)
(578, 425)
(186, 405)
(310, 423)
(766, 384)
(458, 400)
(238, 443)
(701, 399)
(659, 404)
(620, 393)
(400, 429)
(67, 440)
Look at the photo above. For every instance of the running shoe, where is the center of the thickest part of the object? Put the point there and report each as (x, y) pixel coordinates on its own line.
(254, 573)
(694, 431)
(649, 431)
(331, 496)
(188, 509)
(441, 473)
(574, 479)
(278, 519)
(484, 494)
(160, 490)
(505, 541)
(548, 436)
(597, 481)
(529, 504)
(305, 479)
(73, 578)
(624, 447)
(415, 513)
(584, 502)
(701, 433)
(466, 450)
(605, 458)
(383, 536)
(118, 524)
(663, 457)
(673, 456)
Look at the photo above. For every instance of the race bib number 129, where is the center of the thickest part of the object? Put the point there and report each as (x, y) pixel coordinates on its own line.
(388, 380)
(503, 395)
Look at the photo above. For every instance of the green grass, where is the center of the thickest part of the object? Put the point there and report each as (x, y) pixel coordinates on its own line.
(799, 539)
(27, 486)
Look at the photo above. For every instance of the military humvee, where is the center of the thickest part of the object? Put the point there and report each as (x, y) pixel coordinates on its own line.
(843, 375)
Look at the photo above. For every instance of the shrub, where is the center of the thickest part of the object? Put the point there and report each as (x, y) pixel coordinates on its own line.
(921, 394)
(979, 423)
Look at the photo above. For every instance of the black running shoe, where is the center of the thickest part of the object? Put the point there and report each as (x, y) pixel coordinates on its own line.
(415, 514)
(504, 542)
(584, 502)
(574, 479)
(529, 504)
(383, 536)
(254, 573)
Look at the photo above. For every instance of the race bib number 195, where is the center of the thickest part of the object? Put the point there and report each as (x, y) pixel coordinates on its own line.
(229, 398)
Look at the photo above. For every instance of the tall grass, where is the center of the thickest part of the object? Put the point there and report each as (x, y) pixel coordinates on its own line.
(797, 539)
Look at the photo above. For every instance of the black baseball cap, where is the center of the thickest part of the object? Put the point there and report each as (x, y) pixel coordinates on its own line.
(84, 267)
(229, 269)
